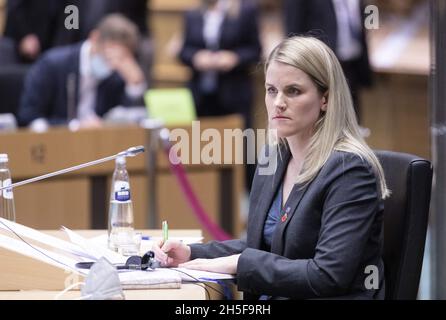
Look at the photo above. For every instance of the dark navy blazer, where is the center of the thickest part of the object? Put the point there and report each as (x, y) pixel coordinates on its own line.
(333, 230)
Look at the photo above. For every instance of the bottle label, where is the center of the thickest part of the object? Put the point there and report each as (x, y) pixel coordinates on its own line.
(122, 191)
(7, 193)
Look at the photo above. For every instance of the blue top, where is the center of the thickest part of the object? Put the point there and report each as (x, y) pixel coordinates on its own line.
(273, 218)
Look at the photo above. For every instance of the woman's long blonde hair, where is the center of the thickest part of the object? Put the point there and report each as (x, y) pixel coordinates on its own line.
(337, 128)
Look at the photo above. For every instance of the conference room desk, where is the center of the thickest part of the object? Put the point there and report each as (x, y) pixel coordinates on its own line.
(79, 200)
(186, 292)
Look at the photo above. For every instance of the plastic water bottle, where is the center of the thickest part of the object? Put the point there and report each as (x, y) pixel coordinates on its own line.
(121, 236)
(7, 208)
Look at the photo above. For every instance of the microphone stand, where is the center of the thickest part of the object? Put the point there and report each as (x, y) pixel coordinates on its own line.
(131, 152)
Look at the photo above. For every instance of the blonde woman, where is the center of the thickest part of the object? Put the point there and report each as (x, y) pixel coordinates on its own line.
(315, 225)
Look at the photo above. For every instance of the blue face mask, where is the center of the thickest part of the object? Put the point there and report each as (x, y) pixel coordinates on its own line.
(100, 69)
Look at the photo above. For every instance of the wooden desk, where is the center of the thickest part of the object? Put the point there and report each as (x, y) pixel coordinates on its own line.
(186, 292)
(79, 200)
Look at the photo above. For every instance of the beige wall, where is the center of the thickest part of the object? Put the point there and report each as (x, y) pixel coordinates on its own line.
(2, 15)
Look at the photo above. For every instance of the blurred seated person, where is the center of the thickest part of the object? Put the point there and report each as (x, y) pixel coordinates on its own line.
(29, 24)
(79, 83)
(93, 11)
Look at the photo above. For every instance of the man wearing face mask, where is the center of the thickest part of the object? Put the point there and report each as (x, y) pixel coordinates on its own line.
(78, 84)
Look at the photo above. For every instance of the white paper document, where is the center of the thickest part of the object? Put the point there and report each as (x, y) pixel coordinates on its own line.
(66, 254)
(158, 278)
(40, 254)
(146, 244)
(37, 236)
(167, 277)
(94, 250)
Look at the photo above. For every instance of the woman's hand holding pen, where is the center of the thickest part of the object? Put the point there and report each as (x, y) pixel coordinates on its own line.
(177, 254)
(171, 253)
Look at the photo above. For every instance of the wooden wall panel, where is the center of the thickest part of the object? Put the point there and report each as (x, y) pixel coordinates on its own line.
(51, 204)
(174, 208)
(2, 15)
(139, 186)
(396, 110)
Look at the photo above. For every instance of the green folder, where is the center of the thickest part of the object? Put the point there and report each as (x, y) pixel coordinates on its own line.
(175, 107)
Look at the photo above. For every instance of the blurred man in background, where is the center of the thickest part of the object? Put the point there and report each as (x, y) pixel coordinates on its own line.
(92, 11)
(34, 26)
(79, 83)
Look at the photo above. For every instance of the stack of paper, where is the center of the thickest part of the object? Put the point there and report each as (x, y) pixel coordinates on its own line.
(65, 254)
(158, 278)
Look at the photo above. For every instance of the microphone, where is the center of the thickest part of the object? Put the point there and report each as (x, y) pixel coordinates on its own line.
(131, 152)
(134, 151)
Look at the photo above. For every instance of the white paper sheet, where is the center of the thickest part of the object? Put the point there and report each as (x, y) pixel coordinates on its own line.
(82, 249)
(146, 245)
(38, 253)
(93, 249)
(158, 278)
(32, 234)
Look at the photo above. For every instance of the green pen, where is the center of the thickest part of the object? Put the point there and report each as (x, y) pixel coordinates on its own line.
(165, 231)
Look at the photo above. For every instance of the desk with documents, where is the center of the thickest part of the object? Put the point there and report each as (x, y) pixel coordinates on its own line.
(187, 291)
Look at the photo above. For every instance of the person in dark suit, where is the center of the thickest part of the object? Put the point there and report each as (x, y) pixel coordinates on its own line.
(93, 11)
(221, 43)
(316, 222)
(30, 24)
(340, 24)
(82, 82)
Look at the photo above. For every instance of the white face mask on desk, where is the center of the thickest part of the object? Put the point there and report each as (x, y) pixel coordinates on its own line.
(102, 282)
(100, 68)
